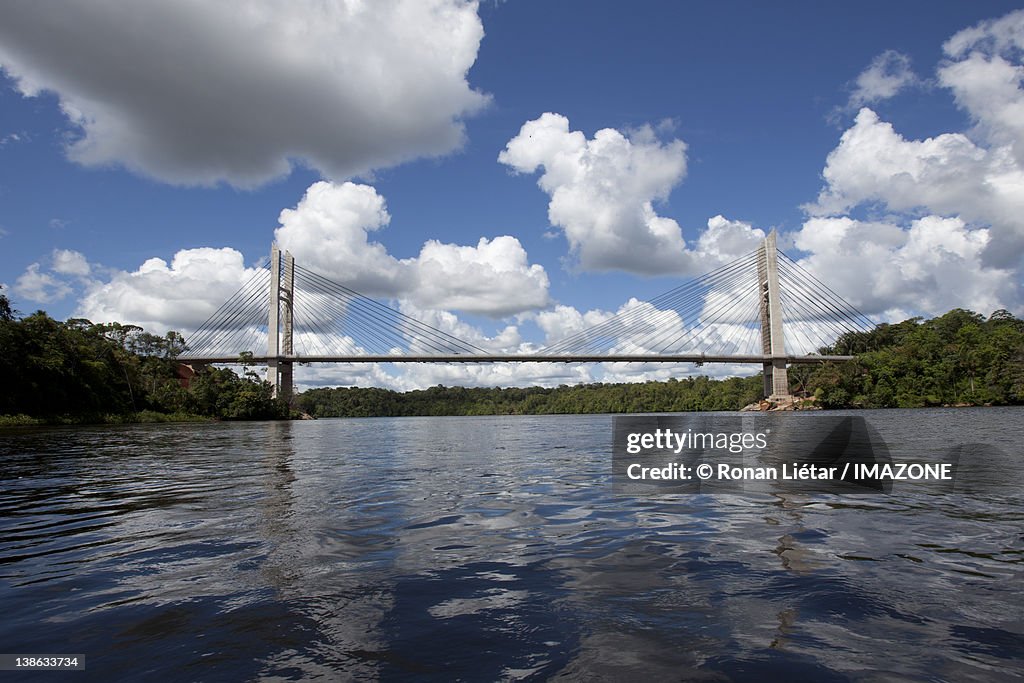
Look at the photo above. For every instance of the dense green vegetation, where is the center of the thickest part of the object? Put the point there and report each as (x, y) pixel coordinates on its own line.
(692, 393)
(957, 358)
(80, 371)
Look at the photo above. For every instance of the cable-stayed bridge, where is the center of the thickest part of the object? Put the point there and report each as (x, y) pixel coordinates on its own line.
(762, 308)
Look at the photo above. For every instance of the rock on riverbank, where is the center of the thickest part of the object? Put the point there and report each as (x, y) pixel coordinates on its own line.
(782, 403)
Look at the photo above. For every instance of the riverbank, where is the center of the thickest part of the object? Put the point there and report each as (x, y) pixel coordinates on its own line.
(144, 417)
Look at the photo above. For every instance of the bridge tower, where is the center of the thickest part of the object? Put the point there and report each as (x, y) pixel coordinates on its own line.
(280, 322)
(776, 379)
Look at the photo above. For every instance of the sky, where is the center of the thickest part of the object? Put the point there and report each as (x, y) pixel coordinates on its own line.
(507, 171)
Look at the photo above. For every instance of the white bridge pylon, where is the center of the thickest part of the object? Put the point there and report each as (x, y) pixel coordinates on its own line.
(281, 323)
(773, 343)
(762, 308)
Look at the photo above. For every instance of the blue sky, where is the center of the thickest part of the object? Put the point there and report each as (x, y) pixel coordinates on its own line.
(139, 131)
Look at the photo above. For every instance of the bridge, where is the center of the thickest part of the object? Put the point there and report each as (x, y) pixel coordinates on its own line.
(739, 313)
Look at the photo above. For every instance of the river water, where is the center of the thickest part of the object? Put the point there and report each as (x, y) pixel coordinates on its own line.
(492, 548)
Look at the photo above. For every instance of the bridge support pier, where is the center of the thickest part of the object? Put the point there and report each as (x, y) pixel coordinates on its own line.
(776, 378)
(280, 321)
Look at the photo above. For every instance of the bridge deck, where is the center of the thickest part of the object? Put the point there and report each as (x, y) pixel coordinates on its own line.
(520, 358)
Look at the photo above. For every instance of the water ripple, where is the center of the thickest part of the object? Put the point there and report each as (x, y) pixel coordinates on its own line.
(484, 549)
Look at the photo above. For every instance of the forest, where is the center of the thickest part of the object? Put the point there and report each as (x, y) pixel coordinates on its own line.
(688, 394)
(959, 358)
(78, 371)
(81, 371)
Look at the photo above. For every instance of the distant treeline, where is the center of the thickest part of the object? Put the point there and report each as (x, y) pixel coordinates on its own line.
(691, 393)
(957, 358)
(80, 371)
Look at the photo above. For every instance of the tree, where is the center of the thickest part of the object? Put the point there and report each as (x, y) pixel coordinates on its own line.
(6, 312)
(958, 357)
(88, 370)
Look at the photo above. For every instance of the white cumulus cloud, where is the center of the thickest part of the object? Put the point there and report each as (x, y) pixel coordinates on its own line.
(562, 321)
(886, 270)
(602, 193)
(40, 287)
(887, 75)
(195, 92)
(53, 283)
(69, 262)
(950, 230)
(952, 233)
(492, 278)
(329, 231)
(947, 175)
(986, 75)
(159, 296)
(507, 340)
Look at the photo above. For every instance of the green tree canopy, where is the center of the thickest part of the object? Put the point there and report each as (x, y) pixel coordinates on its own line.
(81, 369)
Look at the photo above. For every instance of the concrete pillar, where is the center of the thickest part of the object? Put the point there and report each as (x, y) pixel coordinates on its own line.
(273, 319)
(280, 323)
(776, 378)
(287, 298)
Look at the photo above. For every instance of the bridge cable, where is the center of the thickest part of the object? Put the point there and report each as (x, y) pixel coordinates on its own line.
(376, 327)
(855, 313)
(613, 327)
(682, 299)
(368, 314)
(209, 336)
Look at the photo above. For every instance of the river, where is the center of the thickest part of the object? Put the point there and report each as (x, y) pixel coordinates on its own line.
(493, 548)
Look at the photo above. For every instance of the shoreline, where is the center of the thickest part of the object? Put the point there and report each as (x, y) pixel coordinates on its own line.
(792, 404)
